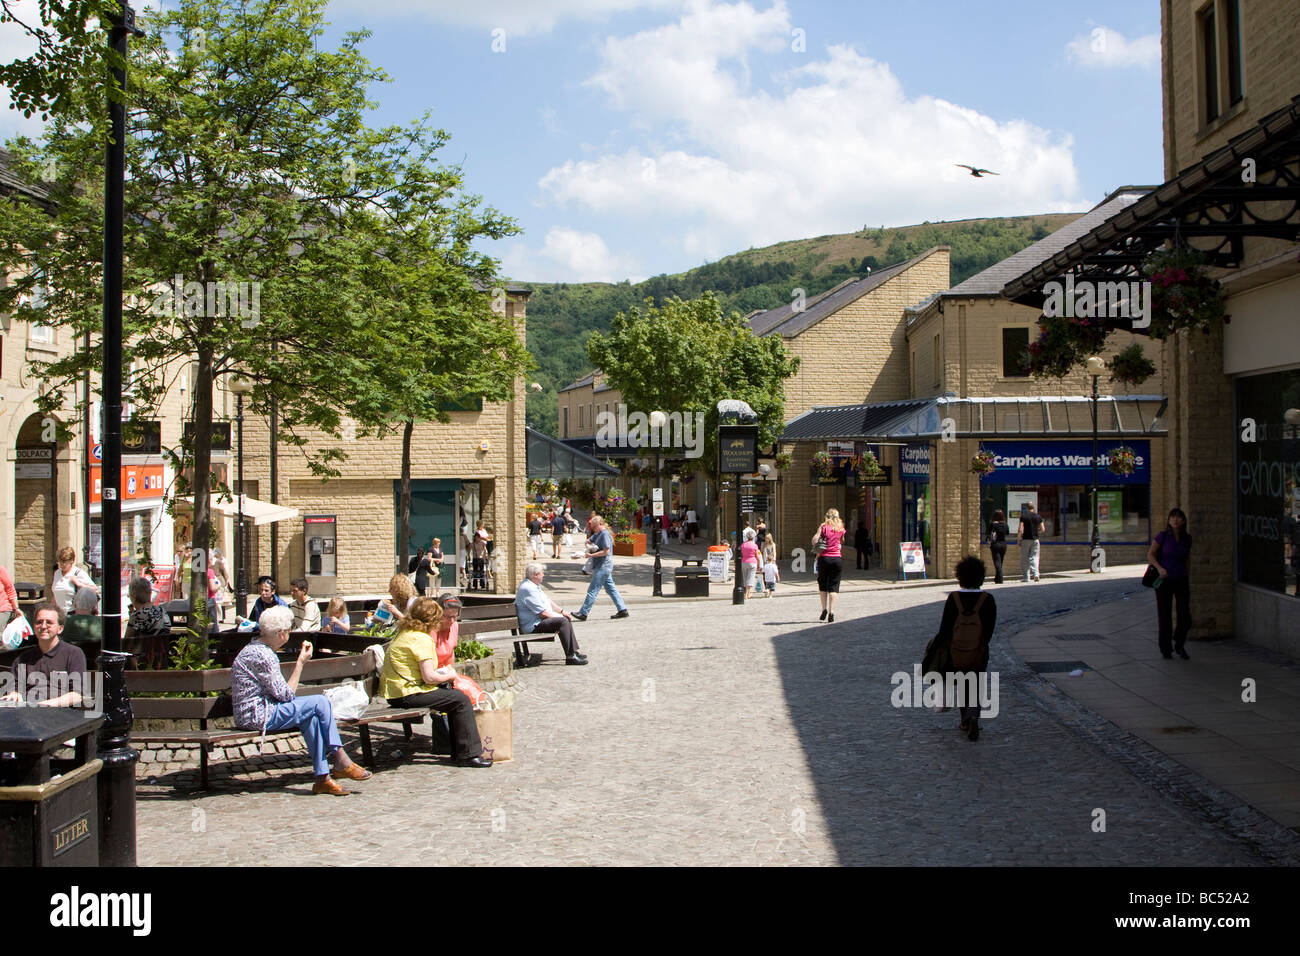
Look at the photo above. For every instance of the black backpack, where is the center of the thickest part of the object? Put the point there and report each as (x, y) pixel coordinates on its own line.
(967, 646)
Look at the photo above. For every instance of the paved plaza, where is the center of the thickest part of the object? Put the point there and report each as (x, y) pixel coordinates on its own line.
(704, 733)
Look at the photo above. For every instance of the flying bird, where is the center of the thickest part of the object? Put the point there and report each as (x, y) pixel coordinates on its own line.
(976, 171)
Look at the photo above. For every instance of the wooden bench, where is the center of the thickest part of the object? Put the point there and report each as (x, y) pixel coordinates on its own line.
(145, 688)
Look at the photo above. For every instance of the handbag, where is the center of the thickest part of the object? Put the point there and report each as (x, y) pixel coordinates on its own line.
(1152, 577)
(820, 547)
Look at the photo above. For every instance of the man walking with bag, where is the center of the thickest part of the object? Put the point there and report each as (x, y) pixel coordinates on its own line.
(602, 569)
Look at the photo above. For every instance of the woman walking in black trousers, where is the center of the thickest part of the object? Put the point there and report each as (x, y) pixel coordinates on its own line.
(1169, 555)
(998, 531)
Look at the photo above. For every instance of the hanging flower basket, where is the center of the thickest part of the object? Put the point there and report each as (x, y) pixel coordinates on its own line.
(1123, 460)
(982, 463)
(1131, 366)
(867, 467)
(1061, 341)
(1183, 296)
(823, 464)
(784, 461)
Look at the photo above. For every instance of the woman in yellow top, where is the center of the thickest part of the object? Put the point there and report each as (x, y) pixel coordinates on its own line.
(412, 678)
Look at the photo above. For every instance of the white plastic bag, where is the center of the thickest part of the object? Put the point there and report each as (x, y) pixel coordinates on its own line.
(16, 631)
(349, 700)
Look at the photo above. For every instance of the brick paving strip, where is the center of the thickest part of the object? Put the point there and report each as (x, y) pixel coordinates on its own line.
(704, 733)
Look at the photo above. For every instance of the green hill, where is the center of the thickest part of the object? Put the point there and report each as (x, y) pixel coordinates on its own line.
(561, 316)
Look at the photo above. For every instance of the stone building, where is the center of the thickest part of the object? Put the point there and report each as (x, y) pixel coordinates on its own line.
(1232, 164)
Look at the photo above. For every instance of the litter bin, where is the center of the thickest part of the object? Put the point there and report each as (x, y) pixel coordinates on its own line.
(49, 811)
(691, 579)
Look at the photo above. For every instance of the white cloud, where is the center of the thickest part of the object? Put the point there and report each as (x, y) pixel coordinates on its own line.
(567, 255)
(1104, 48)
(838, 143)
(514, 16)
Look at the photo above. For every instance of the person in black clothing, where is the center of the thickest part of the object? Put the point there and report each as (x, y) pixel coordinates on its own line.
(1027, 537)
(998, 531)
(423, 570)
(862, 545)
(414, 563)
(970, 600)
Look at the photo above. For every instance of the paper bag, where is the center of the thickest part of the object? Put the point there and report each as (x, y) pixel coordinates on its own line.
(496, 730)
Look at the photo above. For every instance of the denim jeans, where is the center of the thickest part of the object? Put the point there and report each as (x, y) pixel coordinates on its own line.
(602, 577)
(315, 718)
(1029, 558)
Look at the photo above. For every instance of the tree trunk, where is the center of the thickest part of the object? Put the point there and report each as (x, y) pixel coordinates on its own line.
(202, 533)
(404, 508)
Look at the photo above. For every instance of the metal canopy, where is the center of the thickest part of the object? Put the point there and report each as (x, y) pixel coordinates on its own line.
(1208, 205)
(550, 458)
(1066, 416)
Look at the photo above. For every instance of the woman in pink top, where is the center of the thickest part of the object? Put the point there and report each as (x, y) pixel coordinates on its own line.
(829, 563)
(749, 560)
(8, 597)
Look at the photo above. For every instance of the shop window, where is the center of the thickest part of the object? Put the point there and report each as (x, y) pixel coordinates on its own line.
(1268, 482)
(1066, 510)
(1015, 352)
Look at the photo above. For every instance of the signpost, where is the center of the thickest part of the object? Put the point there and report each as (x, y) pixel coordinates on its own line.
(737, 455)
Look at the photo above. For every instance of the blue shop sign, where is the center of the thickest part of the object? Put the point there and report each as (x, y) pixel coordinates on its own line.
(1062, 462)
(914, 462)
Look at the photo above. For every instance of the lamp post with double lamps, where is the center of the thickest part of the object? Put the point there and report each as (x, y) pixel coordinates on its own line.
(1096, 366)
(240, 386)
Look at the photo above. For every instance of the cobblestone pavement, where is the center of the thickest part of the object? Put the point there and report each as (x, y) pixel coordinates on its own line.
(703, 733)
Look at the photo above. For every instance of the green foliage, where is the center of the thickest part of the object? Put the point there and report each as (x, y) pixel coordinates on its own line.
(1131, 366)
(71, 46)
(190, 653)
(687, 356)
(472, 651)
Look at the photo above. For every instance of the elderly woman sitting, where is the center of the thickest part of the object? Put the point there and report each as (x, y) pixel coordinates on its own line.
(148, 622)
(264, 700)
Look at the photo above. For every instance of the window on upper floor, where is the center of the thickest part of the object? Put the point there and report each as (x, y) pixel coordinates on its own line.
(1015, 352)
(38, 334)
(913, 372)
(1218, 28)
(564, 422)
(938, 362)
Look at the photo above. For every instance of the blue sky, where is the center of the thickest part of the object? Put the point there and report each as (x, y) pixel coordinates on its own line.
(635, 137)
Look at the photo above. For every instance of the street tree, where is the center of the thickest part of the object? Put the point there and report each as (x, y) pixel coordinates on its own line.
(687, 356)
(252, 185)
(67, 40)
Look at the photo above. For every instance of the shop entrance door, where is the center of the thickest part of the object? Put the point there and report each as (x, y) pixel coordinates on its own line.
(433, 515)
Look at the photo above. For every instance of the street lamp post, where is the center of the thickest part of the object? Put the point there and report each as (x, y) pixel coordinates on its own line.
(657, 421)
(241, 387)
(1096, 366)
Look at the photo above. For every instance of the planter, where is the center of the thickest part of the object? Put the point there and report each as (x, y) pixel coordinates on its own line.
(633, 548)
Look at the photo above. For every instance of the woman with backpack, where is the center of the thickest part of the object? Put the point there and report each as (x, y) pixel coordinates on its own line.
(826, 548)
(969, 616)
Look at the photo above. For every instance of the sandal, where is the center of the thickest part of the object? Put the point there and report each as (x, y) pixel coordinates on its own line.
(353, 772)
(328, 786)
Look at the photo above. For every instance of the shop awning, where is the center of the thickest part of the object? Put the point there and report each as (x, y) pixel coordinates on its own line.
(1066, 416)
(256, 512)
(1212, 205)
(551, 458)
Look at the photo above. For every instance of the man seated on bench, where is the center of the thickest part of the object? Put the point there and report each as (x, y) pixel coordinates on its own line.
(264, 700)
(52, 665)
(538, 614)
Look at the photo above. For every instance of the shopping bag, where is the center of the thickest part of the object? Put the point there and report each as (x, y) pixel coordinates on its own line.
(496, 730)
(16, 631)
(466, 685)
(348, 701)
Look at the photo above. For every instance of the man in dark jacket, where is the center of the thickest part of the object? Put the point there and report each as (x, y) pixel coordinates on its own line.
(970, 600)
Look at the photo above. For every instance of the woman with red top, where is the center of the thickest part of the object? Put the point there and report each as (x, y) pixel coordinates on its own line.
(829, 566)
(749, 561)
(8, 597)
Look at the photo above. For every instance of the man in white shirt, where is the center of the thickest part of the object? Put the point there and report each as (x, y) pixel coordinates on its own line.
(538, 614)
(306, 612)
